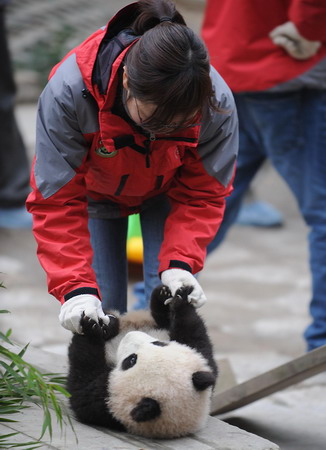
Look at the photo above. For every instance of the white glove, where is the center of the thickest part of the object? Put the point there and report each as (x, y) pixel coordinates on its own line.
(177, 278)
(288, 37)
(72, 310)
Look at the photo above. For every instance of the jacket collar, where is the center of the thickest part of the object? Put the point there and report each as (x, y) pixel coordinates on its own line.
(99, 52)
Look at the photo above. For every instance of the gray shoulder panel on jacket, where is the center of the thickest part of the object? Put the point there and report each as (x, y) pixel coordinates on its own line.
(64, 116)
(219, 135)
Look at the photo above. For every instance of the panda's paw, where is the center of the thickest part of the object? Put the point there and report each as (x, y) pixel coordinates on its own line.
(99, 330)
(165, 295)
(112, 329)
(90, 327)
(160, 295)
(180, 298)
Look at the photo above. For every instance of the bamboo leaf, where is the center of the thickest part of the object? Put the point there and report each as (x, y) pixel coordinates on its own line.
(8, 333)
(57, 408)
(11, 373)
(8, 410)
(5, 337)
(62, 390)
(47, 424)
(21, 381)
(5, 436)
(5, 419)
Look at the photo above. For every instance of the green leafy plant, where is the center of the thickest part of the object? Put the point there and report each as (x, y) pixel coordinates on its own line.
(22, 383)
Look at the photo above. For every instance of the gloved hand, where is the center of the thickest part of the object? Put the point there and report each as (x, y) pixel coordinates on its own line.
(288, 37)
(72, 310)
(176, 278)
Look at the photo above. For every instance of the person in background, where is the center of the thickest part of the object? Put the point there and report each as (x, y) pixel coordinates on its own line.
(134, 120)
(273, 57)
(14, 164)
(258, 213)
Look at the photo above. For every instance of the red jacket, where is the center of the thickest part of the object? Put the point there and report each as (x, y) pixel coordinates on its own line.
(89, 159)
(236, 33)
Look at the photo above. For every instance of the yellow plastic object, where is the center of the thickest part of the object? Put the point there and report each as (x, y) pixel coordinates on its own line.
(135, 249)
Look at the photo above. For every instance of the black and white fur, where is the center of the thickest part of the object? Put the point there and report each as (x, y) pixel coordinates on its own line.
(150, 374)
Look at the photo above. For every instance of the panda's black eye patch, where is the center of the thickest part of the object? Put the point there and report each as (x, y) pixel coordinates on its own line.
(129, 362)
(159, 343)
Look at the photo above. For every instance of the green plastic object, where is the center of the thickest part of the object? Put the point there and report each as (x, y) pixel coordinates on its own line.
(134, 228)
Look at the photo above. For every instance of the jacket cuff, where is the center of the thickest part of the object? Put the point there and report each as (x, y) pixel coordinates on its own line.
(175, 264)
(82, 290)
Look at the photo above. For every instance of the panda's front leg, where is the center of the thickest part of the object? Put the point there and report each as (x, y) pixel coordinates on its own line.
(89, 372)
(187, 327)
(87, 350)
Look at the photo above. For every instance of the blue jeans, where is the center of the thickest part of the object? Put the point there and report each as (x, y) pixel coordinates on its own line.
(289, 129)
(108, 239)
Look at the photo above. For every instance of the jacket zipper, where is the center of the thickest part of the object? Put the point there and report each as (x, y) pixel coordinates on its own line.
(147, 153)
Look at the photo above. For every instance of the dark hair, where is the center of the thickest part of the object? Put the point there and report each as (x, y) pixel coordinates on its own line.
(169, 65)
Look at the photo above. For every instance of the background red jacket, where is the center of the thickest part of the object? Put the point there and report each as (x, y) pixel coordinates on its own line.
(236, 33)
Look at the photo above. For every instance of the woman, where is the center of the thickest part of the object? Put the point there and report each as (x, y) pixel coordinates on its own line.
(133, 120)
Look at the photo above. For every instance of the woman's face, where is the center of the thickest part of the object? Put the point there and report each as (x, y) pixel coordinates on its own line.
(140, 112)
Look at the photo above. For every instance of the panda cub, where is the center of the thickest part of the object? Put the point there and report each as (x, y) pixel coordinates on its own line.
(147, 373)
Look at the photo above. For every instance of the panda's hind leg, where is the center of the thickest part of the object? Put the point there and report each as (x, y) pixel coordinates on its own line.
(159, 310)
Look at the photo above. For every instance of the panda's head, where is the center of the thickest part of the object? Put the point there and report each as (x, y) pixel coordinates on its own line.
(159, 389)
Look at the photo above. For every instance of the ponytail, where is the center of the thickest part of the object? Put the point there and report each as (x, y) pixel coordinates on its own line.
(154, 12)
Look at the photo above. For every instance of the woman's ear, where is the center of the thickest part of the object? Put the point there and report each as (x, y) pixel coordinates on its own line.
(125, 78)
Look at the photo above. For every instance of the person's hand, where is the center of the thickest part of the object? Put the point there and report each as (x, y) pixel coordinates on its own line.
(288, 37)
(72, 310)
(174, 279)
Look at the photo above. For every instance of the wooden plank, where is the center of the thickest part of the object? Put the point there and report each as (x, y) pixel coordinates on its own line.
(186, 443)
(269, 382)
(29, 422)
(217, 435)
(228, 437)
(19, 438)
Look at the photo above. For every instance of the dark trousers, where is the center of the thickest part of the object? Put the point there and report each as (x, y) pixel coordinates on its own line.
(14, 165)
(290, 130)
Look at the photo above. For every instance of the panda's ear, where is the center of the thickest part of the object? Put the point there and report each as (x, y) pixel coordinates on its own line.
(203, 380)
(147, 409)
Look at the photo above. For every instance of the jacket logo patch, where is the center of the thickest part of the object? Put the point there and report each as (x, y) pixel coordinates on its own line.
(102, 151)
